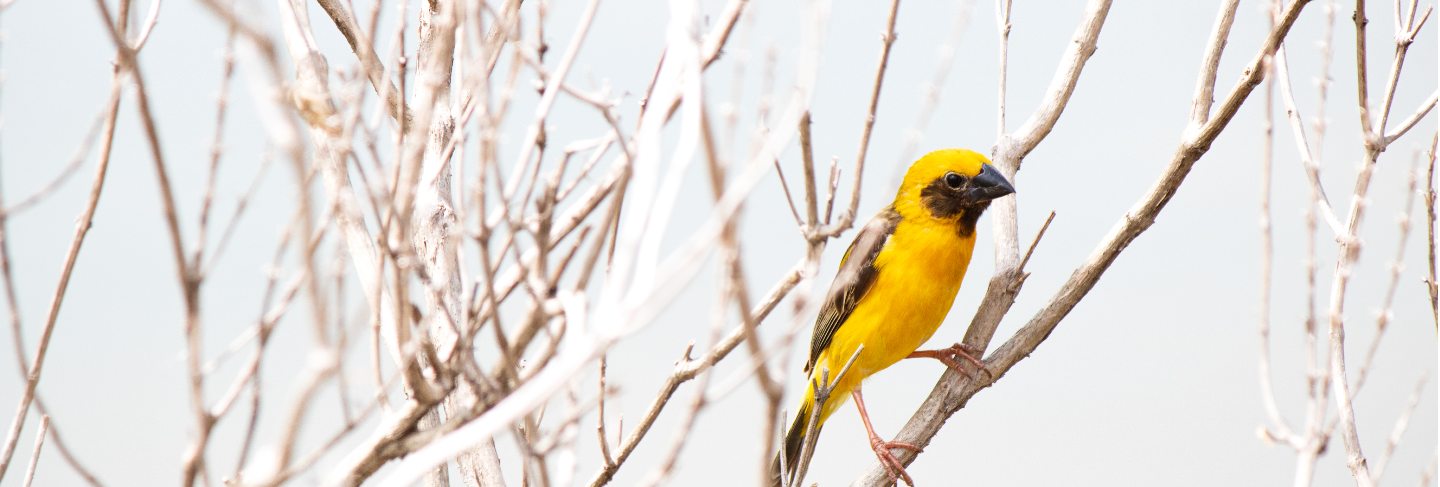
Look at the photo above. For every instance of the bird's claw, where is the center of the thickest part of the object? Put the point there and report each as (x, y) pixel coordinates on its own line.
(892, 464)
(950, 355)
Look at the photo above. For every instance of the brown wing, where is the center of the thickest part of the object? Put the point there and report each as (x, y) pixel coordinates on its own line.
(857, 273)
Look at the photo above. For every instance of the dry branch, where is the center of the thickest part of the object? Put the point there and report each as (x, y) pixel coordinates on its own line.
(33, 370)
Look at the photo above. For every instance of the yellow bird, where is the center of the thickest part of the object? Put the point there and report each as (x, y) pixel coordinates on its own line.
(895, 285)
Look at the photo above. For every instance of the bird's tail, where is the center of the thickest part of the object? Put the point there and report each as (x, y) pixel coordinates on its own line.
(794, 441)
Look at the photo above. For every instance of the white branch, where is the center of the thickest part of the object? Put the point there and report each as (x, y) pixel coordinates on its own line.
(1062, 85)
(1205, 84)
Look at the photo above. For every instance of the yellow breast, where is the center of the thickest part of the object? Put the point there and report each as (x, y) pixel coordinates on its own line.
(920, 271)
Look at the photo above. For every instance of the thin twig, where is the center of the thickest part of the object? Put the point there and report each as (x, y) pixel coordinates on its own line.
(1003, 26)
(1267, 251)
(687, 370)
(847, 217)
(1430, 284)
(1309, 161)
(1349, 241)
(1412, 120)
(82, 151)
(1204, 97)
(1401, 424)
(1033, 243)
(35, 452)
(807, 159)
(823, 388)
(82, 227)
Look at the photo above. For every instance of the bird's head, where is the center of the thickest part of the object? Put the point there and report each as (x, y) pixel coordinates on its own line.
(951, 185)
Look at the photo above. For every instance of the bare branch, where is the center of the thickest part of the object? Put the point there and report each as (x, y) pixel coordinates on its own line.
(823, 389)
(1431, 285)
(1414, 118)
(1362, 76)
(691, 368)
(1405, 35)
(1302, 144)
(847, 217)
(1009, 152)
(789, 200)
(1387, 303)
(81, 153)
(1033, 243)
(807, 158)
(360, 44)
(35, 451)
(1372, 133)
(452, 228)
(1205, 85)
(1002, 24)
(1267, 251)
(82, 227)
(1401, 424)
(1062, 85)
(150, 20)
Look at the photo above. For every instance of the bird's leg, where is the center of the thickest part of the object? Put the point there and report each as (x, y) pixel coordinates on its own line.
(948, 356)
(882, 447)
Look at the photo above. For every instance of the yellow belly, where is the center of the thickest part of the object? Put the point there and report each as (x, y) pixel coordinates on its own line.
(920, 271)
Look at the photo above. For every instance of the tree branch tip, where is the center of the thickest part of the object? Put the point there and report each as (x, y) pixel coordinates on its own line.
(1266, 436)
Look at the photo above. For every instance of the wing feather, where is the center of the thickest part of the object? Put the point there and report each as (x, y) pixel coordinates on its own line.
(856, 276)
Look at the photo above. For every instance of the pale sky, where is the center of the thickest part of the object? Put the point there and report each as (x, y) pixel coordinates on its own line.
(1151, 380)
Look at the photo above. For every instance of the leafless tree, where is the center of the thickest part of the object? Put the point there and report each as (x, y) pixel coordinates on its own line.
(492, 281)
(1328, 374)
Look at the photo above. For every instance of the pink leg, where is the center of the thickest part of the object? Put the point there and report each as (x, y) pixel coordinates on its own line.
(882, 447)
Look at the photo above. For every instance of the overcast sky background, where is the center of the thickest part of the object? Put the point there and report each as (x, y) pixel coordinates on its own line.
(1150, 381)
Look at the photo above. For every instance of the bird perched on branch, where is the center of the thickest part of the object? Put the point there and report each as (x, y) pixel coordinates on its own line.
(895, 285)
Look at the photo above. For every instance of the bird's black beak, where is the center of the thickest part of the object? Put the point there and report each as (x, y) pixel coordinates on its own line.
(989, 184)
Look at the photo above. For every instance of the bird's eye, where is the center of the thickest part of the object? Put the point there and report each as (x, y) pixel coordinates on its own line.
(954, 181)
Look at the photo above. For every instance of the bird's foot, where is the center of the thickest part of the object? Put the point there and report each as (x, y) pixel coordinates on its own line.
(892, 464)
(950, 357)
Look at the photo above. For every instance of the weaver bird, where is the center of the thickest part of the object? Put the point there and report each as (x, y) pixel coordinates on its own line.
(895, 285)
